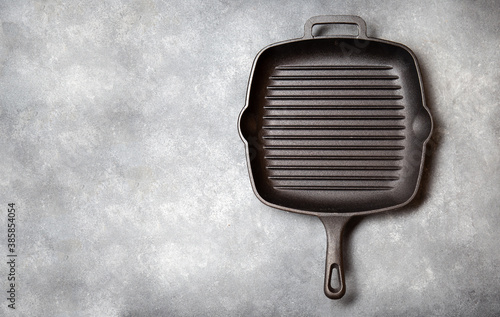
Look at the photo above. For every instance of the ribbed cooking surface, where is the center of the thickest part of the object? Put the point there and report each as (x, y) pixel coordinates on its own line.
(333, 128)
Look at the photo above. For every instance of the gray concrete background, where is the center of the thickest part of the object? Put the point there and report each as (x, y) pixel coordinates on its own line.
(120, 149)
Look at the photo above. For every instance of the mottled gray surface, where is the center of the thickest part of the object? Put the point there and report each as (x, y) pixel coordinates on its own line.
(119, 146)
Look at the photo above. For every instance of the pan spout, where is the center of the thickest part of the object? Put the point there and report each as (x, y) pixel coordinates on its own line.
(422, 125)
(247, 125)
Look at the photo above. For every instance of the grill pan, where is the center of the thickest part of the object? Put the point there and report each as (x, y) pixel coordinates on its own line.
(335, 127)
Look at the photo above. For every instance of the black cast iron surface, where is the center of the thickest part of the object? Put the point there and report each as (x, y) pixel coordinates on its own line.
(335, 127)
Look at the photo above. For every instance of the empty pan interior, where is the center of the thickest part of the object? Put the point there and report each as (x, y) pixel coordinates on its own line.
(335, 125)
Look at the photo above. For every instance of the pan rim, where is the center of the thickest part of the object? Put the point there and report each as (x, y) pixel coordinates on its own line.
(330, 214)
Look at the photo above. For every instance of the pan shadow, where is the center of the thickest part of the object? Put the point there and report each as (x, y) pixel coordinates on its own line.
(423, 191)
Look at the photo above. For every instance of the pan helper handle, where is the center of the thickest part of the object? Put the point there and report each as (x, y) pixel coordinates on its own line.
(336, 19)
(334, 270)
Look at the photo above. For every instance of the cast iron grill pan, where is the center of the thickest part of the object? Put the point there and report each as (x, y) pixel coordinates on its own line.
(335, 127)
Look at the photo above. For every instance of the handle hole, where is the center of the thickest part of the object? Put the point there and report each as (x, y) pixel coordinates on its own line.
(335, 283)
(320, 30)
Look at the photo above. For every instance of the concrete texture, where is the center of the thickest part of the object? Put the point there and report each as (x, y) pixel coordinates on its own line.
(120, 149)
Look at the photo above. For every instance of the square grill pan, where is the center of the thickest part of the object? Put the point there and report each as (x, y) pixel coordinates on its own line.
(335, 127)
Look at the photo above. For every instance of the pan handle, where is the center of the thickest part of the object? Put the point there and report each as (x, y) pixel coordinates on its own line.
(334, 227)
(336, 19)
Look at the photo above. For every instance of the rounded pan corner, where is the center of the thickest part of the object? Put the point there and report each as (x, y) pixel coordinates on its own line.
(244, 110)
(419, 73)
